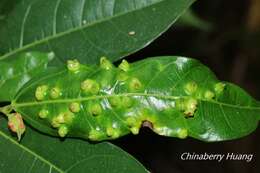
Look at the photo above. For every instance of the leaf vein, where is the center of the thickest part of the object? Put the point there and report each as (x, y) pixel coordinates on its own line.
(55, 17)
(82, 12)
(29, 151)
(23, 25)
(71, 31)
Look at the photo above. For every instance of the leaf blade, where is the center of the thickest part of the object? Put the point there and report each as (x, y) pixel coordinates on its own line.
(57, 156)
(16, 72)
(120, 31)
(166, 99)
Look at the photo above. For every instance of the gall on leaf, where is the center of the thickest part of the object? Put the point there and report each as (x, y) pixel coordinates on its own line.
(173, 96)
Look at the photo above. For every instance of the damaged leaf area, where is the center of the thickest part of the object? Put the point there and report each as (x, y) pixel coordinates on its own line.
(173, 96)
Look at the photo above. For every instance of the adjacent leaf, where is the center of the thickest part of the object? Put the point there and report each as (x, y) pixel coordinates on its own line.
(15, 72)
(5, 8)
(41, 154)
(174, 96)
(87, 29)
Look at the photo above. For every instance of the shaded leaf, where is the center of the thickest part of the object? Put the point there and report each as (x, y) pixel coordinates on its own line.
(41, 154)
(87, 29)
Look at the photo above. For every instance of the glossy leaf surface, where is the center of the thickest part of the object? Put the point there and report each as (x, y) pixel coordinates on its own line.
(40, 153)
(86, 29)
(15, 72)
(174, 96)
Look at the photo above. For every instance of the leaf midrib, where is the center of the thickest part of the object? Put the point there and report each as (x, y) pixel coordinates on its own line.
(46, 39)
(96, 97)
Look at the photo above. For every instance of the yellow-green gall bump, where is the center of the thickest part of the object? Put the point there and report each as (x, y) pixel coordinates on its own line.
(134, 130)
(90, 86)
(63, 131)
(113, 133)
(105, 63)
(190, 106)
(182, 133)
(41, 92)
(122, 76)
(62, 118)
(124, 66)
(94, 135)
(95, 109)
(58, 120)
(55, 122)
(219, 87)
(115, 101)
(209, 95)
(74, 107)
(127, 102)
(190, 88)
(131, 121)
(134, 125)
(68, 117)
(73, 65)
(43, 113)
(55, 93)
(135, 84)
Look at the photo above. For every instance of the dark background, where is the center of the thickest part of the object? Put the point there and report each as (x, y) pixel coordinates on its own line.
(232, 50)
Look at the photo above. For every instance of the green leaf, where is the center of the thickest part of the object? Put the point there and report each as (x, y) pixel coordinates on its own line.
(87, 29)
(15, 72)
(174, 96)
(41, 154)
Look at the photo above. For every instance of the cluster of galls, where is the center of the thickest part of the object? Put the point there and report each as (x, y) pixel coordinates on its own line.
(189, 104)
(63, 120)
(91, 87)
(88, 87)
(42, 92)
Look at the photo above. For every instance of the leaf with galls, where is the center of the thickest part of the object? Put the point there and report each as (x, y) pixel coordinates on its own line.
(173, 96)
(16, 71)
